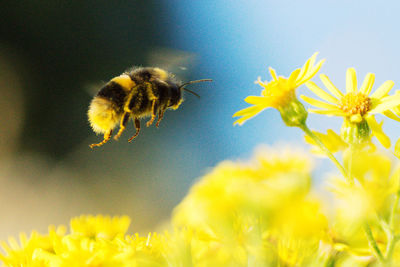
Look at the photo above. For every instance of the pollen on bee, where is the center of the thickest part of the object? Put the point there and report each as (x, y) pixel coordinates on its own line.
(102, 115)
(125, 81)
(161, 73)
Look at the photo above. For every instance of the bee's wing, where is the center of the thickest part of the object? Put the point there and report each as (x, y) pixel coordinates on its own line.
(93, 87)
(174, 61)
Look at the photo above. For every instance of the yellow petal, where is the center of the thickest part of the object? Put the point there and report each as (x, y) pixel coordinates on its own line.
(321, 93)
(258, 81)
(273, 73)
(317, 67)
(242, 120)
(351, 80)
(328, 112)
(13, 243)
(385, 104)
(366, 86)
(313, 58)
(257, 100)
(310, 72)
(397, 109)
(5, 247)
(317, 103)
(306, 66)
(397, 149)
(23, 239)
(383, 90)
(377, 131)
(330, 86)
(247, 111)
(293, 76)
(390, 114)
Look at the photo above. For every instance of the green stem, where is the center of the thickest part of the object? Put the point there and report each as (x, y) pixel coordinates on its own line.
(367, 229)
(372, 242)
(390, 248)
(321, 145)
(348, 175)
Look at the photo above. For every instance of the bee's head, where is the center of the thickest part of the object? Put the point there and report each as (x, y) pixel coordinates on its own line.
(176, 96)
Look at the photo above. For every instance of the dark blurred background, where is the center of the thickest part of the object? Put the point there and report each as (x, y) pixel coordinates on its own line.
(55, 54)
(66, 44)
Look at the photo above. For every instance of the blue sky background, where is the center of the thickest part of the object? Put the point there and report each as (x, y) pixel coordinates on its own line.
(237, 40)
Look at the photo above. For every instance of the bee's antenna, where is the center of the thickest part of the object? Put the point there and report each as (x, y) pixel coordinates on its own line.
(196, 81)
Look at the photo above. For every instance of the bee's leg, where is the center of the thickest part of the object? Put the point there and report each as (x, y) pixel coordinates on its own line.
(137, 126)
(160, 115)
(129, 98)
(107, 137)
(127, 112)
(154, 107)
(122, 125)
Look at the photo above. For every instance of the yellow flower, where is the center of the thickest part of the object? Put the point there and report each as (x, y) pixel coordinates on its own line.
(99, 226)
(357, 106)
(378, 176)
(245, 210)
(299, 230)
(93, 241)
(285, 175)
(23, 255)
(279, 92)
(370, 200)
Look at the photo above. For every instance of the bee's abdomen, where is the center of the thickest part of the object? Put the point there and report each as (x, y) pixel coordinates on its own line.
(114, 92)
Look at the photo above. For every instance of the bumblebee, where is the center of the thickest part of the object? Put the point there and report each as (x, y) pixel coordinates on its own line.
(137, 93)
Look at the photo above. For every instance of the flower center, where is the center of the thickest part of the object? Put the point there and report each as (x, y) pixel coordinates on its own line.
(355, 103)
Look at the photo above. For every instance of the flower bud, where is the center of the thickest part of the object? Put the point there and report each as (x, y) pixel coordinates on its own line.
(293, 113)
(355, 133)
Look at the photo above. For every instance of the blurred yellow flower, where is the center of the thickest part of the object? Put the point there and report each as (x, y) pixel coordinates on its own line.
(378, 181)
(279, 92)
(357, 106)
(81, 251)
(250, 209)
(23, 255)
(299, 231)
(99, 226)
(369, 201)
(102, 245)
